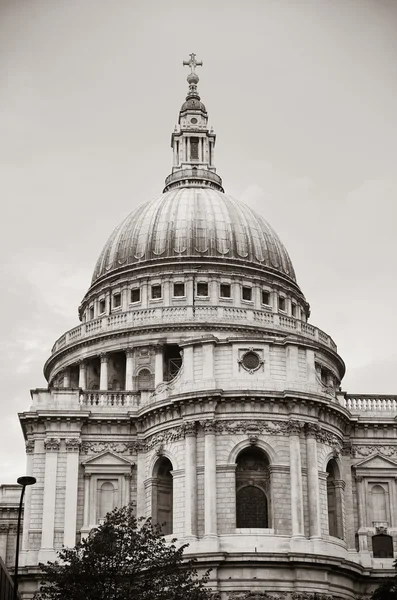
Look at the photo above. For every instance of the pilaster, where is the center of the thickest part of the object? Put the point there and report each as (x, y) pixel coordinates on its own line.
(295, 428)
(72, 473)
(190, 480)
(51, 446)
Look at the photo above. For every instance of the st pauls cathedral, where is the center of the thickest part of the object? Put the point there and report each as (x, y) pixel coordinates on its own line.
(196, 388)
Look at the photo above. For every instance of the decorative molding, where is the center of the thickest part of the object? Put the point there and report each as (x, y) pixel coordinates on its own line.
(253, 427)
(137, 446)
(295, 427)
(4, 528)
(312, 430)
(190, 428)
(251, 360)
(72, 444)
(209, 426)
(117, 447)
(369, 450)
(52, 444)
(253, 439)
(170, 435)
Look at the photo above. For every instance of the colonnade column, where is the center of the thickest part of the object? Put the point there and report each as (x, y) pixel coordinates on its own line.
(296, 479)
(210, 512)
(66, 378)
(51, 446)
(72, 475)
(313, 480)
(129, 369)
(190, 480)
(30, 445)
(103, 379)
(83, 375)
(362, 533)
(158, 366)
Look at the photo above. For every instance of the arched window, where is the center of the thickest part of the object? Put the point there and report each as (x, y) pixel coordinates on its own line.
(334, 500)
(382, 546)
(378, 503)
(252, 489)
(162, 499)
(145, 380)
(106, 499)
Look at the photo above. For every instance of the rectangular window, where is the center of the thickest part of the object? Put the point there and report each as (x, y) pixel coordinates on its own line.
(202, 289)
(102, 306)
(247, 293)
(135, 295)
(281, 303)
(293, 310)
(116, 300)
(156, 292)
(194, 148)
(265, 297)
(179, 290)
(91, 312)
(225, 290)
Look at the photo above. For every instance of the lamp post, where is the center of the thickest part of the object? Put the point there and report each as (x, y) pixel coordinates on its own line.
(23, 481)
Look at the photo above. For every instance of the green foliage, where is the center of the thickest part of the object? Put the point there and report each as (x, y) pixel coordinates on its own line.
(388, 589)
(124, 558)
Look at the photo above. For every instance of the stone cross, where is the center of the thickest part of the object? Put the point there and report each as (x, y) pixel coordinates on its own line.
(192, 63)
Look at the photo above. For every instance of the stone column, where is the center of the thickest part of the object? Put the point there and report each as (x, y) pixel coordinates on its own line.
(313, 488)
(188, 367)
(129, 369)
(140, 479)
(51, 446)
(4, 527)
(28, 495)
(339, 498)
(210, 512)
(190, 480)
(274, 301)
(158, 366)
(296, 479)
(103, 379)
(72, 475)
(362, 532)
(66, 378)
(82, 375)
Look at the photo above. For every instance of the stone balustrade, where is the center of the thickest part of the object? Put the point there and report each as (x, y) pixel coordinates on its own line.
(121, 399)
(190, 314)
(360, 403)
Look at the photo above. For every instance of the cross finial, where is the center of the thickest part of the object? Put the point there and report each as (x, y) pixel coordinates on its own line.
(192, 63)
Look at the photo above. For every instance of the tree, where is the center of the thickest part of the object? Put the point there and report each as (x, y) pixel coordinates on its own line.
(124, 558)
(388, 589)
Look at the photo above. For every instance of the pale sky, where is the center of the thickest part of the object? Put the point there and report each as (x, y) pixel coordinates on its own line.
(302, 96)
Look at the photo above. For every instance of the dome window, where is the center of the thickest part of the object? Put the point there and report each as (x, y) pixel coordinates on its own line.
(202, 289)
(225, 290)
(281, 303)
(265, 297)
(156, 292)
(194, 148)
(135, 295)
(102, 306)
(247, 293)
(294, 309)
(91, 312)
(116, 300)
(179, 290)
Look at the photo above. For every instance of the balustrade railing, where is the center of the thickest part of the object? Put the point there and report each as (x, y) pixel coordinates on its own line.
(120, 399)
(198, 314)
(365, 403)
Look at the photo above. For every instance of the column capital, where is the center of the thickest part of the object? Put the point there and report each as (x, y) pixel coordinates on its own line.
(87, 476)
(209, 426)
(129, 351)
(312, 430)
(294, 427)
(72, 444)
(82, 363)
(52, 444)
(137, 446)
(359, 478)
(4, 528)
(104, 356)
(190, 428)
(29, 446)
(128, 475)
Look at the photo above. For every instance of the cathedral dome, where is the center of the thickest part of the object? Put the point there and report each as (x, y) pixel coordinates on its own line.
(193, 223)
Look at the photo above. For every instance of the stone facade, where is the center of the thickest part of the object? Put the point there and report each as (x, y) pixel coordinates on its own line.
(196, 389)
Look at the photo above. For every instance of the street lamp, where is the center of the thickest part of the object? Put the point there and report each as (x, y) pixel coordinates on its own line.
(23, 481)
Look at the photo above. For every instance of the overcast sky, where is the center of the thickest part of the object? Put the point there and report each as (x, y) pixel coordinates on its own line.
(302, 96)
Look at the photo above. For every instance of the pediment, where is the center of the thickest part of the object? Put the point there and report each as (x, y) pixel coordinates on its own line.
(376, 461)
(107, 458)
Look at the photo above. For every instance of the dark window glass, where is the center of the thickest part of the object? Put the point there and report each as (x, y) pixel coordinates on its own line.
(116, 300)
(102, 306)
(194, 148)
(164, 496)
(202, 289)
(281, 303)
(293, 310)
(265, 297)
(382, 546)
(225, 290)
(179, 289)
(247, 293)
(91, 312)
(135, 295)
(156, 291)
(251, 507)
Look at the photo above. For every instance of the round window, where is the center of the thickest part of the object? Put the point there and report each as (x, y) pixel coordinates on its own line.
(194, 120)
(251, 361)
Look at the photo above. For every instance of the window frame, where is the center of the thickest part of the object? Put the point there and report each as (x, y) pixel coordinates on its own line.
(178, 283)
(245, 288)
(222, 285)
(156, 285)
(135, 289)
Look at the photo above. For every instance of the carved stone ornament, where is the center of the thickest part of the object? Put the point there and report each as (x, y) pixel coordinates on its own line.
(52, 444)
(253, 427)
(369, 450)
(137, 446)
(190, 428)
(381, 528)
(209, 426)
(250, 361)
(4, 528)
(159, 450)
(253, 439)
(312, 430)
(170, 435)
(295, 427)
(72, 444)
(96, 447)
(29, 446)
